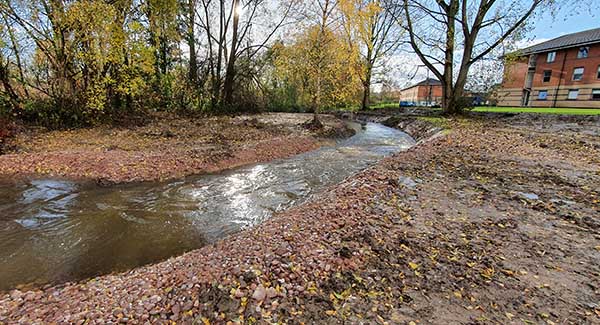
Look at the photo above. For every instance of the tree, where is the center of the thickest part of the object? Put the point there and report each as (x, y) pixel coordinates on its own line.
(84, 59)
(189, 25)
(441, 31)
(318, 70)
(229, 28)
(371, 26)
(10, 101)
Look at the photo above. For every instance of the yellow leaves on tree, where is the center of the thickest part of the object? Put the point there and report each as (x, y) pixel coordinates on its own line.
(109, 55)
(374, 33)
(320, 67)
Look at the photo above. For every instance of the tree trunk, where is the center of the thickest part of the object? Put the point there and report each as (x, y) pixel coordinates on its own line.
(366, 95)
(230, 72)
(367, 89)
(449, 99)
(12, 94)
(193, 72)
(450, 106)
(15, 48)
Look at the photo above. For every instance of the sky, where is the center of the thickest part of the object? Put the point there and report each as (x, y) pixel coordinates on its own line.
(566, 22)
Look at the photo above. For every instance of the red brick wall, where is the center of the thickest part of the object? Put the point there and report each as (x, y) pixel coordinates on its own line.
(436, 92)
(421, 93)
(511, 93)
(590, 65)
(515, 73)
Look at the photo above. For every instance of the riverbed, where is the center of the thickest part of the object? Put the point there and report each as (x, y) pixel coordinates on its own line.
(54, 230)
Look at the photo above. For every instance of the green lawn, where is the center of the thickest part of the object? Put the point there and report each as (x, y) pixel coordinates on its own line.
(384, 105)
(541, 110)
(494, 109)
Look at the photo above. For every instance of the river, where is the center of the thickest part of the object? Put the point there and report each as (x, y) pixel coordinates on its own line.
(54, 230)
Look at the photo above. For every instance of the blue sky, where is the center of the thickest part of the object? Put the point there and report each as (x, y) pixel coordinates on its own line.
(567, 21)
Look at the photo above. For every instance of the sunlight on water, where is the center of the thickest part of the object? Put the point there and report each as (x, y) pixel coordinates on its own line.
(57, 230)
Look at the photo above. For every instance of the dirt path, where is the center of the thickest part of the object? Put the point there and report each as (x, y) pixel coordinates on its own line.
(495, 222)
(167, 147)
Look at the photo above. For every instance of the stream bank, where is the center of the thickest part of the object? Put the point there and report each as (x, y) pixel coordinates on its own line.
(56, 230)
(167, 146)
(495, 222)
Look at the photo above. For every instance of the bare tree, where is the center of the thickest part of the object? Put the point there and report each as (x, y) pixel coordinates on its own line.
(449, 36)
(232, 29)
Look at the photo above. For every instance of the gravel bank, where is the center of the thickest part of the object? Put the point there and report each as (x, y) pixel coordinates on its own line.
(494, 222)
(167, 147)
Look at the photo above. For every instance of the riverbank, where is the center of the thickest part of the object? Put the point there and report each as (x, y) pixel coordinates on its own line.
(496, 221)
(166, 147)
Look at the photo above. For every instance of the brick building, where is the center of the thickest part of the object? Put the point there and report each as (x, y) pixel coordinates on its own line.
(562, 72)
(425, 93)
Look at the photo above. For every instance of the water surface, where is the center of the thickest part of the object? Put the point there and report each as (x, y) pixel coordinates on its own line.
(57, 230)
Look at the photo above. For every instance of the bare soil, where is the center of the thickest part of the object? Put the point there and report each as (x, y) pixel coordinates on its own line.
(497, 221)
(169, 146)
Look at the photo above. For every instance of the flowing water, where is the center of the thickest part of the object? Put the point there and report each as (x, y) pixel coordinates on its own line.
(58, 230)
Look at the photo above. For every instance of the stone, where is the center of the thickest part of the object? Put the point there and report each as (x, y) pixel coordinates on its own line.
(528, 196)
(15, 295)
(239, 293)
(260, 293)
(407, 182)
(561, 201)
(271, 292)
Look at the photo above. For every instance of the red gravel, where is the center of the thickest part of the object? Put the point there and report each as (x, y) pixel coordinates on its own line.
(448, 232)
(167, 147)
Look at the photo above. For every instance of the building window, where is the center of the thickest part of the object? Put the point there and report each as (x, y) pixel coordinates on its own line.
(596, 94)
(550, 57)
(598, 73)
(543, 95)
(573, 93)
(577, 74)
(547, 75)
(583, 52)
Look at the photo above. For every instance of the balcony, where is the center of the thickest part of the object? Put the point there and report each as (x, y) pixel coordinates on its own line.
(532, 62)
(529, 79)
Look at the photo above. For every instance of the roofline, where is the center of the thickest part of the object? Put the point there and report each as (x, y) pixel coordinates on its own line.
(409, 87)
(419, 84)
(558, 48)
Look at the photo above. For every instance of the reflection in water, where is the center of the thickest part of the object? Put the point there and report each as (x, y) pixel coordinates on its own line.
(56, 230)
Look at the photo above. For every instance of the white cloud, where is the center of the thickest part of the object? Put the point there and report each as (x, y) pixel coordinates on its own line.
(521, 44)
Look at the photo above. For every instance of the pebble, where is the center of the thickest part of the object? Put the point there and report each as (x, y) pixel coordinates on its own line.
(260, 293)
(561, 201)
(239, 293)
(271, 292)
(528, 196)
(16, 295)
(407, 181)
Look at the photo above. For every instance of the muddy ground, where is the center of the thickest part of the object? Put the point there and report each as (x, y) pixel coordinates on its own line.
(492, 221)
(167, 146)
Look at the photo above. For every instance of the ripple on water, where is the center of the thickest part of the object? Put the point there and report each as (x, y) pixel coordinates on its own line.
(54, 230)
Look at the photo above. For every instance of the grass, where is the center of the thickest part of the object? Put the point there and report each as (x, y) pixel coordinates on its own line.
(384, 105)
(501, 109)
(440, 122)
(540, 110)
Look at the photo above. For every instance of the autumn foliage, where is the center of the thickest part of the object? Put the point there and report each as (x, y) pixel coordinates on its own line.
(7, 131)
